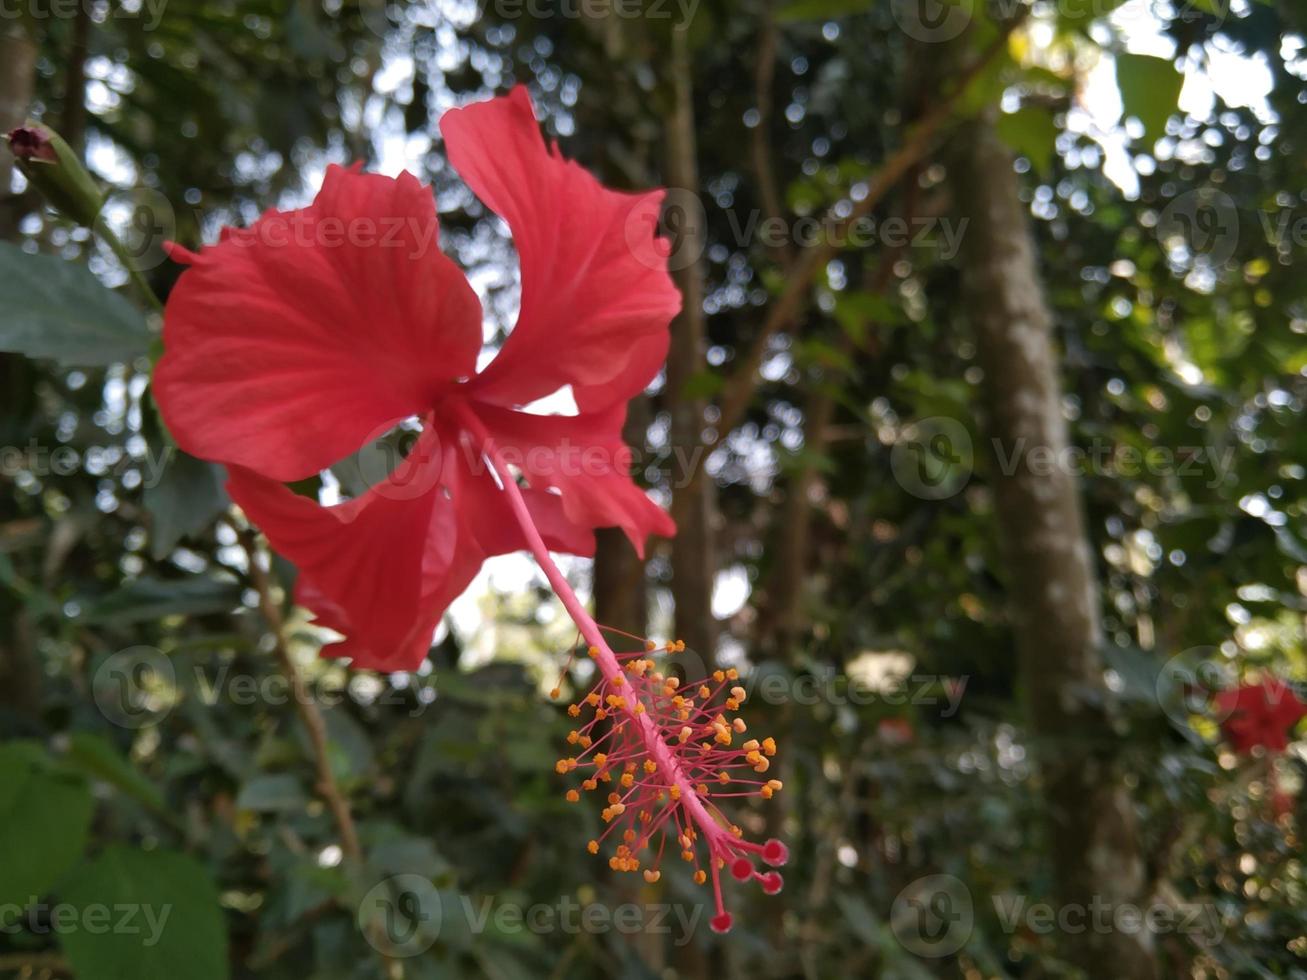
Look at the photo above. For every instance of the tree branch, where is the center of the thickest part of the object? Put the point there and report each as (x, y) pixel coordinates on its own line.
(304, 703)
(812, 260)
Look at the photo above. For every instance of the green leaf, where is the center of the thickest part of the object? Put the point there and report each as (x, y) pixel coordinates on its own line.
(1150, 88)
(45, 814)
(57, 309)
(1032, 133)
(186, 500)
(176, 928)
(271, 793)
(150, 598)
(96, 756)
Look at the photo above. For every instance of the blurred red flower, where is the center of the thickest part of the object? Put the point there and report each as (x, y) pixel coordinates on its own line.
(1260, 714)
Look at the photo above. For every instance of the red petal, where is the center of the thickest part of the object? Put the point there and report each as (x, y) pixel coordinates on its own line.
(585, 459)
(596, 296)
(371, 562)
(382, 569)
(292, 343)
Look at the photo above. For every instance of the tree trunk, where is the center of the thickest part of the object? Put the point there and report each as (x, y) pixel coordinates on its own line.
(20, 673)
(1049, 568)
(694, 563)
(17, 76)
(619, 591)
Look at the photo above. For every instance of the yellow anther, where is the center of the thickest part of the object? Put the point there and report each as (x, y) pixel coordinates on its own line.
(723, 778)
(650, 646)
(650, 766)
(627, 780)
(769, 746)
(585, 741)
(719, 676)
(593, 847)
(675, 790)
(592, 651)
(600, 758)
(687, 855)
(652, 876)
(732, 704)
(554, 692)
(686, 732)
(751, 745)
(573, 796)
(573, 710)
(733, 674)
(614, 797)
(639, 707)
(775, 785)
(592, 699)
(762, 766)
(573, 737)
(704, 691)
(619, 680)
(701, 789)
(700, 877)
(738, 693)
(739, 726)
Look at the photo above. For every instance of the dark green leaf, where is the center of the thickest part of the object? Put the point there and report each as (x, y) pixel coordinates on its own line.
(45, 814)
(177, 928)
(57, 309)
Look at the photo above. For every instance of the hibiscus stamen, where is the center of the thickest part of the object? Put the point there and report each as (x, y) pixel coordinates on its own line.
(660, 751)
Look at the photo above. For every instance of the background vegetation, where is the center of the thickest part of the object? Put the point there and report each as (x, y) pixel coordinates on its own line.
(991, 678)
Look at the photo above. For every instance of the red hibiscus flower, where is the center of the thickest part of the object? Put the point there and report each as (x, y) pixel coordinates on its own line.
(1260, 714)
(294, 343)
(298, 341)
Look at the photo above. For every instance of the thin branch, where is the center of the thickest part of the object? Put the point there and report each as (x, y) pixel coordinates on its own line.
(764, 172)
(304, 703)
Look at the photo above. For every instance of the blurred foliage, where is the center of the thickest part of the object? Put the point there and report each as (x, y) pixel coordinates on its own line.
(151, 756)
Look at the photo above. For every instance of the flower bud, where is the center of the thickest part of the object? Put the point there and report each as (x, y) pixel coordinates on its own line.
(54, 170)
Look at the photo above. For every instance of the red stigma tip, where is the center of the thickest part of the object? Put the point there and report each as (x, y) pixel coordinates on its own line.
(742, 869)
(721, 923)
(772, 882)
(775, 853)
